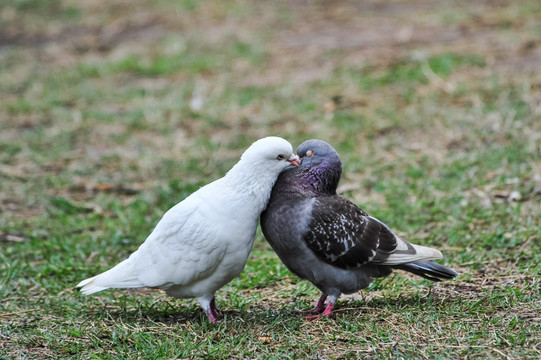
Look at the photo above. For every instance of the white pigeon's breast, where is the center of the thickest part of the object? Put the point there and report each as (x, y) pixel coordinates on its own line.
(198, 249)
(220, 262)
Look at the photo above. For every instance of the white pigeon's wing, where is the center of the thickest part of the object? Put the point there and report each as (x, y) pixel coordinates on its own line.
(184, 247)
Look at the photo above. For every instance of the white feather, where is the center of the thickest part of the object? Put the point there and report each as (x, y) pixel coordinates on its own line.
(403, 255)
(203, 242)
(422, 253)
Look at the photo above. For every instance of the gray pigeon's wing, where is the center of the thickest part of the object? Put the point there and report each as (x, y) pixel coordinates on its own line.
(342, 234)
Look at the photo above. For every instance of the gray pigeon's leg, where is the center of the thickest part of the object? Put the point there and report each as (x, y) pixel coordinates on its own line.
(319, 306)
(328, 309)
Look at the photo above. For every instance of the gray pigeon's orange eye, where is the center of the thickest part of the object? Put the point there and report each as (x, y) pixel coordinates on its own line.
(309, 153)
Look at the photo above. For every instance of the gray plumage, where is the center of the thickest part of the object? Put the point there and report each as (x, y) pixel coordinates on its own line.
(328, 240)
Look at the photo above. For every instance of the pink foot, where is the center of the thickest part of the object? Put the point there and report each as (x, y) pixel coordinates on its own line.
(326, 313)
(319, 306)
(214, 309)
(212, 318)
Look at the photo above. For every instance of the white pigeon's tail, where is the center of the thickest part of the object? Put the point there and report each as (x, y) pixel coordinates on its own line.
(121, 276)
(89, 287)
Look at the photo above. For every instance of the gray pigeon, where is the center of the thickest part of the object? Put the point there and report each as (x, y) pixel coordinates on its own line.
(328, 240)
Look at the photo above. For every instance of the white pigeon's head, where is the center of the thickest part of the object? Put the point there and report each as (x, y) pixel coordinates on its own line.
(271, 153)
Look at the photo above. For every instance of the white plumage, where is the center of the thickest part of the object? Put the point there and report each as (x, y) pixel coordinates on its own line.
(203, 242)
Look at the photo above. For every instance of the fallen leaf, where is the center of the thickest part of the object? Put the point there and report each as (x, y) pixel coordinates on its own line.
(103, 187)
(264, 339)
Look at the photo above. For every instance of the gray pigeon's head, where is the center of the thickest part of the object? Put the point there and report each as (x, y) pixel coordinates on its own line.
(314, 152)
(320, 165)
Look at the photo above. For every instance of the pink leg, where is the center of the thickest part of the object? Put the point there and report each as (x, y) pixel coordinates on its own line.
(212, 318)
(319, 306)
(214, 309)
(326, 313)
(208, 304)
(328, 310)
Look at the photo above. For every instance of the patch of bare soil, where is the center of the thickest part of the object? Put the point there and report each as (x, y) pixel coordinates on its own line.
(382, 33)
(376, 32)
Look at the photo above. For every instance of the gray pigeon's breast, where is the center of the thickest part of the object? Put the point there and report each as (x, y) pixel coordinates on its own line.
(284, 227)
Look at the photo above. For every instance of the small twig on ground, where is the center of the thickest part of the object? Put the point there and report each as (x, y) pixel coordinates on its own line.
(17, 312)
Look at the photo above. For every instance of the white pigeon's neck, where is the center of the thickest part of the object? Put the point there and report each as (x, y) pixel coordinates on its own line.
(251, 183)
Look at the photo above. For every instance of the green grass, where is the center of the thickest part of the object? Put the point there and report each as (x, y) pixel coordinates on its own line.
(100, 134)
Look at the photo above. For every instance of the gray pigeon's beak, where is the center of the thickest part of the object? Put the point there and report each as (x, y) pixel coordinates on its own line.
(294, 160)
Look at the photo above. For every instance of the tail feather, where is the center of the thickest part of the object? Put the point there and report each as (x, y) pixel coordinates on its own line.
(430, 270)
(89, 287)
(411, 253)
(120, 276)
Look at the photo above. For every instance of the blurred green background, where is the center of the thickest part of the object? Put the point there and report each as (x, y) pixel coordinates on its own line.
(113, 111)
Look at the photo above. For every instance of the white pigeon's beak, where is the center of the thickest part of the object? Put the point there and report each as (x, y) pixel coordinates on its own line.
(294, 160)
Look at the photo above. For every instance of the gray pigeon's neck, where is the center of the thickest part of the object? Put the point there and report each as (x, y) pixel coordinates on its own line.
(308, 182)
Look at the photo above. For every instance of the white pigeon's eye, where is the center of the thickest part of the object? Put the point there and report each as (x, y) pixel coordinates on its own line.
(309, 153)
(280, 157)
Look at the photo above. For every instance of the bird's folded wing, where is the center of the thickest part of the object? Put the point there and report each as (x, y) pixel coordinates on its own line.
(183, 247)
(343, 235)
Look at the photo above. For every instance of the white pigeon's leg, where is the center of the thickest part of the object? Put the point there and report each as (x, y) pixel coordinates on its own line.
(204, 301)
(319, 306)
(214, 309)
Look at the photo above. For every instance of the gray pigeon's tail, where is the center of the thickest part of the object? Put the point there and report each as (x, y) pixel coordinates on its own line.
(430, 270)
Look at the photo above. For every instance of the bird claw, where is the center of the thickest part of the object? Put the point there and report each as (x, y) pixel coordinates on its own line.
(314, 310)
(213, 318)
(320, 306)
(214, 309)
(327, 313)
(317, 316)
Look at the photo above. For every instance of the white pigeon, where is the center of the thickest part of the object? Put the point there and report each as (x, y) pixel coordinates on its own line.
(203, 242)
